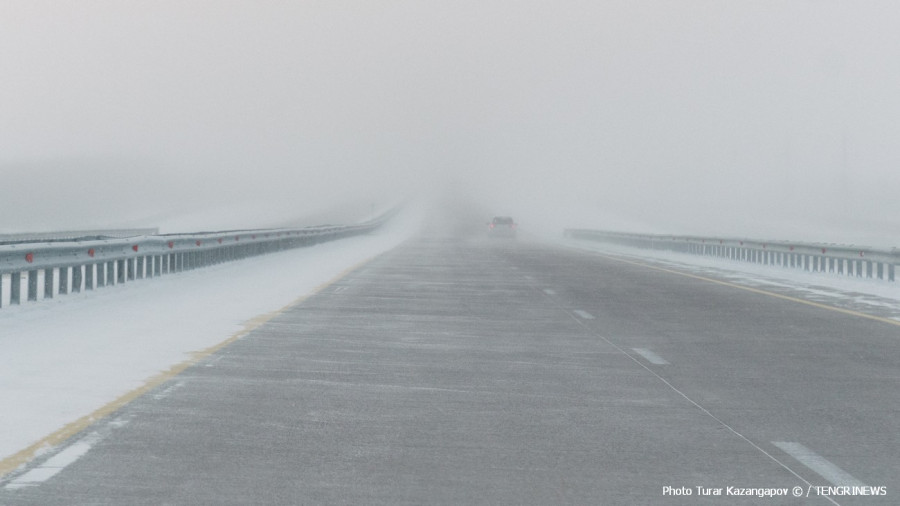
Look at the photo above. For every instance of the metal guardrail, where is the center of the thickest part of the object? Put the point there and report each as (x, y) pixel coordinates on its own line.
(32, 271)
(76, 235)
(860, 262)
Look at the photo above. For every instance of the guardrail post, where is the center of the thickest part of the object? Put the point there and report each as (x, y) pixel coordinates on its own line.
(15, 288)
(63, 280)
(32, 285)
(49, 275)
(77, 278)
(89, 276)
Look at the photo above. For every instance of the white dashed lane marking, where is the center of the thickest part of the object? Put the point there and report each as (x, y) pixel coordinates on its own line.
(549, 291)
(819, 464)
(583, 314)
(651, 357)
(55, 464)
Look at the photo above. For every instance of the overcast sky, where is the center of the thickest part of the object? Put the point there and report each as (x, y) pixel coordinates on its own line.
(758, 118)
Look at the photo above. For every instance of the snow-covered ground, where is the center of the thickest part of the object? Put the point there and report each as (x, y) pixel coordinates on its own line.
(870, 296)
(65, 358)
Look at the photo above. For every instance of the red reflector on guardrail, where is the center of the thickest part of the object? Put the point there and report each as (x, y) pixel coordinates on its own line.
(29, 257)
(171, 244)
(91, 252)
(135, 247)
(199, 243)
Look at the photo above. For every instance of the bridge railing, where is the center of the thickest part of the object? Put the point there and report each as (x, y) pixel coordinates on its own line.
(32, 271)
(858, 262)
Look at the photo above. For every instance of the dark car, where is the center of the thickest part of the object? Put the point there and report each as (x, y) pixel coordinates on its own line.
(502, 226)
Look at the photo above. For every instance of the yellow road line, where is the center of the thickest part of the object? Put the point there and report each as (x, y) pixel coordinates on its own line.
(16, 460)
(757, 290)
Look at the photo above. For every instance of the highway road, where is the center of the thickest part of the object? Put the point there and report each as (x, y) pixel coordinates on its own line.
(462, 370)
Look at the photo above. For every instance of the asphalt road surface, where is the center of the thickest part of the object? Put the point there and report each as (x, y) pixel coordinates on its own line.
(473, 371)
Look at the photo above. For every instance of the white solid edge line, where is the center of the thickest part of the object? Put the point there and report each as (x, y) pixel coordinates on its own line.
(819, 464)
(651, 357)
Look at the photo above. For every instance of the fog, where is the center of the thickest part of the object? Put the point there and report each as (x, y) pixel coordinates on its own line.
(769, 119)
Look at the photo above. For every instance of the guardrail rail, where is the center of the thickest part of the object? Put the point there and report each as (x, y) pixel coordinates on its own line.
(32, 271)
(76, 235)
(860, 262)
